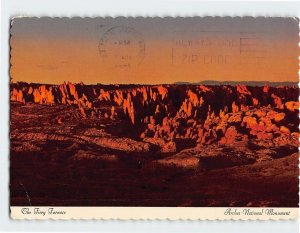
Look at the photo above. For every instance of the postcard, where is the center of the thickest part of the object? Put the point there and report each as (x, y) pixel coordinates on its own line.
(154, 118)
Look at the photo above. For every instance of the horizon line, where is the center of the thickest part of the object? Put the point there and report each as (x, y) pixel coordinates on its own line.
(176, 82)
(204, 82)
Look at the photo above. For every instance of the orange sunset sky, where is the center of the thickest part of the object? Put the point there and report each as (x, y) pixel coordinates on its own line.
(154, 50)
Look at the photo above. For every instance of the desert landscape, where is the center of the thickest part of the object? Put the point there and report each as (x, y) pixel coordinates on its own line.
(154, 145)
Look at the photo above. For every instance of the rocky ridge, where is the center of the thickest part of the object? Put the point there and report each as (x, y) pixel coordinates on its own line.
(176, 117)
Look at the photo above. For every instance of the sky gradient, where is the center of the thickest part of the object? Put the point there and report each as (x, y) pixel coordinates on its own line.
(154, 50)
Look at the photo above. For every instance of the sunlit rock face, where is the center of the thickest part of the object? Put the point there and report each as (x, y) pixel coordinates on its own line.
(204, 114)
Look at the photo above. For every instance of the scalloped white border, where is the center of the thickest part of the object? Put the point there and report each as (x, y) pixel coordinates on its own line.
(94, 8)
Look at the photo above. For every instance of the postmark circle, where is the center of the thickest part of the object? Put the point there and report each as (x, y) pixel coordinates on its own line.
(122, 47)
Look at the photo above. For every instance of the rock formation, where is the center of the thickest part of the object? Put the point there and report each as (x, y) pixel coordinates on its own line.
(203, 114)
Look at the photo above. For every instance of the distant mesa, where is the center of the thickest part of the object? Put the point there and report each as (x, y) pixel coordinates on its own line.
(235, 83)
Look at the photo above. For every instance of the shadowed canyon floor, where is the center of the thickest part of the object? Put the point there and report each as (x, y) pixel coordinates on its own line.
(167, 145)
